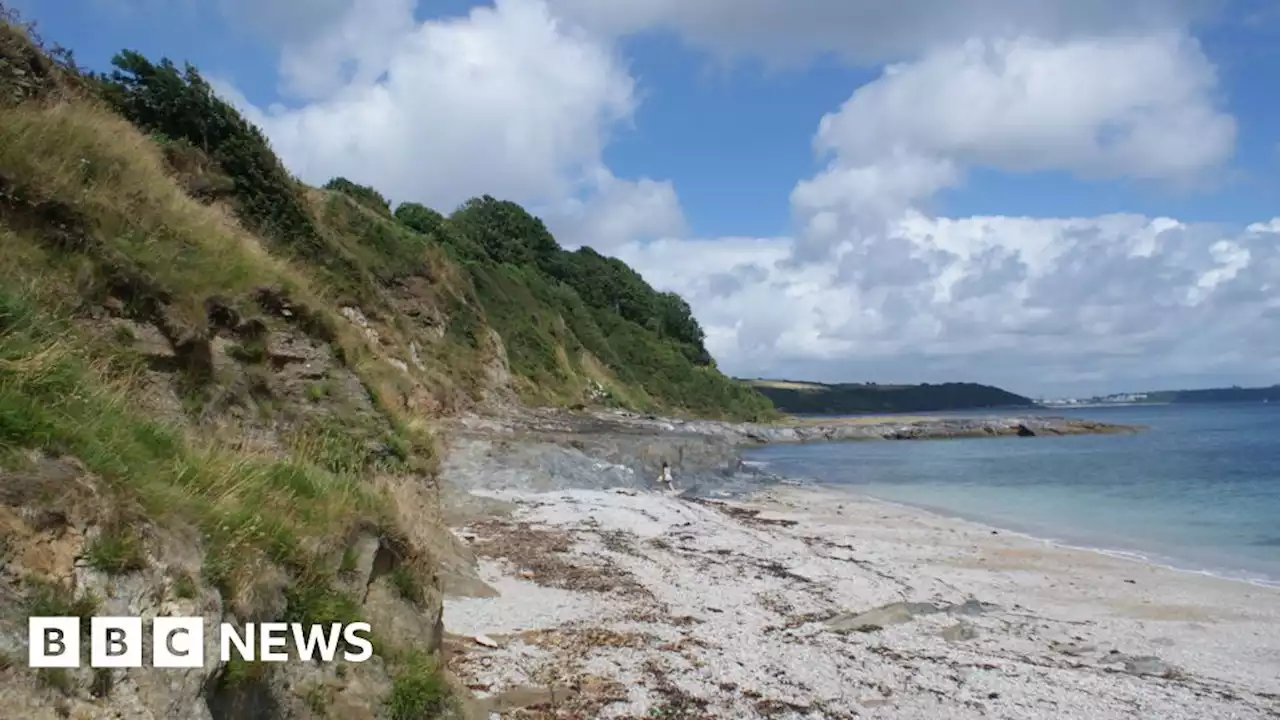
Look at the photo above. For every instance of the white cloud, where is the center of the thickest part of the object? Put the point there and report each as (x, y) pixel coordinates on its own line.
(1139, 107)
(874, 31)
(1032, 304)
(517, 102)
(617, 211)
(507, 101)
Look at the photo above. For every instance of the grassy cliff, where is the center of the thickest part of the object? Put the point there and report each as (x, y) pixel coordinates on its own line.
(217, 384)
(849, 398)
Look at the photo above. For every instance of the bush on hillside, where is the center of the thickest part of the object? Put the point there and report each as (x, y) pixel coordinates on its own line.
(505, 231)
(362, 194)
(161, 99)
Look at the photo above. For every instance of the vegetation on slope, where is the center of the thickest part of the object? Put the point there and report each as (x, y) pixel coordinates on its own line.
(806, 398)
(200, 344)
(163, 372)
(571, 322)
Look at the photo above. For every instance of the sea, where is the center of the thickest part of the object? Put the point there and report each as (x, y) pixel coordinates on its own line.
(1198, 491)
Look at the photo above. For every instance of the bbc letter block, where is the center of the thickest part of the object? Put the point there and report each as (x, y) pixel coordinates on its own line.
(177, 642)
(53, 642)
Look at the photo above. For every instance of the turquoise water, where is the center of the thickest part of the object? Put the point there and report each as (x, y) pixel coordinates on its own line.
(1199, 491)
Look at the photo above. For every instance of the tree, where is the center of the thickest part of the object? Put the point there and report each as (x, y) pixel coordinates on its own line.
(505, 231)
(362, 194)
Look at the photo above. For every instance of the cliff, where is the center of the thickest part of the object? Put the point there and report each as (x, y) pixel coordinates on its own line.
(219, 388)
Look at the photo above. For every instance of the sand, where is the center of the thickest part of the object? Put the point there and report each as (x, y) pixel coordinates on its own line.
(805, 603)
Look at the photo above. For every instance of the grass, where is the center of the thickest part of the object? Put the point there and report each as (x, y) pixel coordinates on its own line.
(418, 691)
(117, 550)
(184, 586)
(318, 700)
(237, 672)
(57, 679)
(55, 397)
(406, 583)
(46, 599)
(313, 601)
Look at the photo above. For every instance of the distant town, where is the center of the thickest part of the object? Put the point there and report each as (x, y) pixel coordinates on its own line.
(1232, 394)
(1116, 399)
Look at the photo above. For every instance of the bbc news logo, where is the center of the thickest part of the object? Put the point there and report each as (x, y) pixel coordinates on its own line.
(178, 642)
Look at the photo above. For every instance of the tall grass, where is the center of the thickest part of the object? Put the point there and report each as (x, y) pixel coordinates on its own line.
(56, 397)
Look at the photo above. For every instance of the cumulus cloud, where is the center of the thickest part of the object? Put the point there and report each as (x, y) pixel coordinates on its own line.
(617, 211)
(1139, 107)
(518, 100)
(1031, 303)
(875, 288)
(507, 100)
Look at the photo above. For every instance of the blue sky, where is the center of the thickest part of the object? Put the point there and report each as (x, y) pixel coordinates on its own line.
(962, 222)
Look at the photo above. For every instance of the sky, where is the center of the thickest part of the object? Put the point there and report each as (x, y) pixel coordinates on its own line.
(1059, 197)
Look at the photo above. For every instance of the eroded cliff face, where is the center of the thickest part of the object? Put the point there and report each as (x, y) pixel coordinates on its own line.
(74, 542)
(196, 420)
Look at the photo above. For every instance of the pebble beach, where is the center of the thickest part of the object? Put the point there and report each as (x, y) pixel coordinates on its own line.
(815, 603)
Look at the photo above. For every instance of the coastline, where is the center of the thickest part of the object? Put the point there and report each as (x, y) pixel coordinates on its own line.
(576, 590)
(1165, 562)
(802, 602)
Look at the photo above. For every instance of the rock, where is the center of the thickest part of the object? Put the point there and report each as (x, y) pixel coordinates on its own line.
(1073, 649)
(971, 607)
(881, 617)
(960, 632)
(1147, 665)
(486, 641)
(902, 612)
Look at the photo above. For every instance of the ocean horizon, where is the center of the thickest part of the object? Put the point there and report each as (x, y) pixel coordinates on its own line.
(1199, 490)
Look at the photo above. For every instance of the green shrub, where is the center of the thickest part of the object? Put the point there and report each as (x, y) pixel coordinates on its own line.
(362, 194)
(418, 692)
(116, 550)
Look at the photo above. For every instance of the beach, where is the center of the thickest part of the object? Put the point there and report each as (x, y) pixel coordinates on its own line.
(816, 603)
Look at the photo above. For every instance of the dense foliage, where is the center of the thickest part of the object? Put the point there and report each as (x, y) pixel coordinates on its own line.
(362, 194)
(851, 398)
(568, 320)
(550, 304)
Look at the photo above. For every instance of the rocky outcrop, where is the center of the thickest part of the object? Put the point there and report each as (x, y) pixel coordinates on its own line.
(880, 428)
(535, 450)
(53, 521)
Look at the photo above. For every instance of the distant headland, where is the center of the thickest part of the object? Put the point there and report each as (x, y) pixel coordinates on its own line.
(811, 398)
(1235, 394)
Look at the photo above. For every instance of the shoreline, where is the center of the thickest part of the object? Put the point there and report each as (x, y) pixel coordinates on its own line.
(1136, 556)
(802, 603)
